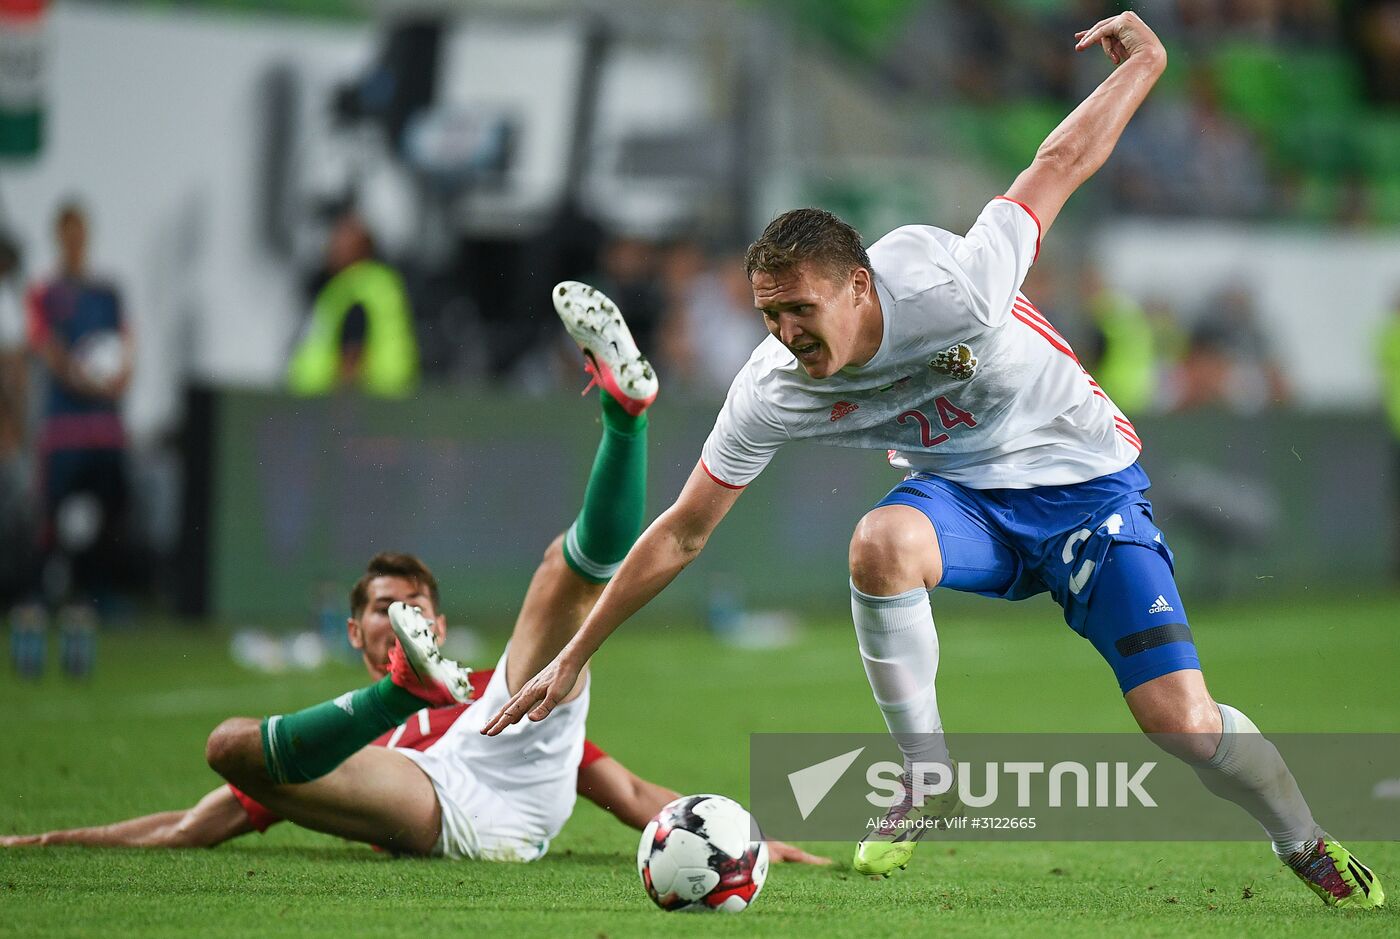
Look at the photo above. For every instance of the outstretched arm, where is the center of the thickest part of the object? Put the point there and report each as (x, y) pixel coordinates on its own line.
(213, 820)
(634, 801)
(663, 551)
(1076, 149)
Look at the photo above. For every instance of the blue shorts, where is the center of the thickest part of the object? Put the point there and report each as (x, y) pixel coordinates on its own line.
(1092, 545)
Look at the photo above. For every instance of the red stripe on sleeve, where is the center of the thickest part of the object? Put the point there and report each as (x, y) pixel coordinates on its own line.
(1025, 306)
(592, 753)
(1058, 344)
(717, 479)
(1033, 219)
(1128, 430)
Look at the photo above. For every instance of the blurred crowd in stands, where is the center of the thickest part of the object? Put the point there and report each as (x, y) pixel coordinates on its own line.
(1272, 108)
(691, 310)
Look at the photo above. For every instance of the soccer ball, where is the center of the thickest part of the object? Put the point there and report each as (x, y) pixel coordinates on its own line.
(699, 854)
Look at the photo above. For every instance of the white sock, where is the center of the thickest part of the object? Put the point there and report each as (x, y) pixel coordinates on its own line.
(1248, 771)
(899, 648)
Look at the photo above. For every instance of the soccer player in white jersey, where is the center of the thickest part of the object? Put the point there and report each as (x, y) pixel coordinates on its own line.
(1022, 475)
(227, 812)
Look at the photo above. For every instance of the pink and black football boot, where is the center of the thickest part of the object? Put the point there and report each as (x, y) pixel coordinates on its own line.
(416, 665)
(610, 354)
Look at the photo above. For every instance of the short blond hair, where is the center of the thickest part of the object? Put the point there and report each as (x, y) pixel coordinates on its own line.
(803, 236)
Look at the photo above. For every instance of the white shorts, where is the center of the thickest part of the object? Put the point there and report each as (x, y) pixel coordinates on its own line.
(503, 798)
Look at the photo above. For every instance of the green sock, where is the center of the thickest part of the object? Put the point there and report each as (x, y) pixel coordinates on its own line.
(614, 503)
(307, 745)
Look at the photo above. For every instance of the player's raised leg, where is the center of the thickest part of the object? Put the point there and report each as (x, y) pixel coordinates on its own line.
(580, 562)
(1136, 619)
(309, 766)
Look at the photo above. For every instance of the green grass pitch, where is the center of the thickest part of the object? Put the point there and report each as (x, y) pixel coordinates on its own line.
(676, 706)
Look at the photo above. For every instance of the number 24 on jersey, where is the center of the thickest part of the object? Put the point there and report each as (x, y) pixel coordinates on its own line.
(949, 415)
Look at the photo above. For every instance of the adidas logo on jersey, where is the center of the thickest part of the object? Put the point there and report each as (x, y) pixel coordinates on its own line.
(956, 361)
(1160, 605)
(841, 408)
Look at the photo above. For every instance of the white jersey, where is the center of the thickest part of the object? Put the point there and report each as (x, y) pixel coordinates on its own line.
(970, 383)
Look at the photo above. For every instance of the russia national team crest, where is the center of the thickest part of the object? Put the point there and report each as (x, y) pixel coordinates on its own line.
(957, 362)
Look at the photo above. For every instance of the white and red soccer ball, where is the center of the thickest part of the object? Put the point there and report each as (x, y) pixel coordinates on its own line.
(702, 853)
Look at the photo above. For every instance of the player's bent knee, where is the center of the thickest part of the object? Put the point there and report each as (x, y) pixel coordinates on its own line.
(1179, 715)
(234, 749)
(893, 550)
(554, 554)
(1190, 746)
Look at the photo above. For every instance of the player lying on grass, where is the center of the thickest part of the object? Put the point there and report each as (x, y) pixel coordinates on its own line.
(226, 812)
(436, 786)
(1023, 476)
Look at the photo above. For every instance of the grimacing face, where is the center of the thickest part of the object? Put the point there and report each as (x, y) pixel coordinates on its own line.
(371, 632)
(828, 322)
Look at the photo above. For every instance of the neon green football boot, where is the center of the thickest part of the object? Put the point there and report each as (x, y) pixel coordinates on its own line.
(1337, 876)
(890, 845)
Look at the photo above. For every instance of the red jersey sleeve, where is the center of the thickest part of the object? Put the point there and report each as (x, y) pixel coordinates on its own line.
(592, 753)
(261, 818)
(479, 680)
(426, 727)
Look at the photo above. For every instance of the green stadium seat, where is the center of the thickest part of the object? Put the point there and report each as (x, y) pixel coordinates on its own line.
(1378, 139)
(962, 128)
(1024, 126)
(1320, 142)
(1385, 199)
(1318, 200)
(1322, 82)
(1253, 82)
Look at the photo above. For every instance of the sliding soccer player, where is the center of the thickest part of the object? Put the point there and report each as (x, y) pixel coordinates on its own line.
(227, 812)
